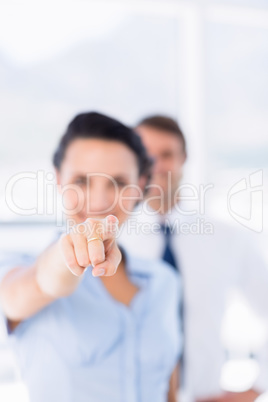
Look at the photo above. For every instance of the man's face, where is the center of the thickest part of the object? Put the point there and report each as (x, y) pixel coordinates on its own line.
(169, 156)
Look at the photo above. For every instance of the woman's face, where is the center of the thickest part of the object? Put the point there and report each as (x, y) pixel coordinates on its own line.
(98, 178)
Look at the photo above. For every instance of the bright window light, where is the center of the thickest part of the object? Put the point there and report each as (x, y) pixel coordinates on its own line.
(13, 392)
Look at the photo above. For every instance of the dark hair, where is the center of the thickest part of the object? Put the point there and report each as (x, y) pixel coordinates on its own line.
(96, 125)
(164, 123)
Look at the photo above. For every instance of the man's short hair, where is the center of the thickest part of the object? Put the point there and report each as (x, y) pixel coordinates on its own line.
(165, 123)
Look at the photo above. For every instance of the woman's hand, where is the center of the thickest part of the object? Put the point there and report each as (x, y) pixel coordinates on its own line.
(92, 243)
(25, 291)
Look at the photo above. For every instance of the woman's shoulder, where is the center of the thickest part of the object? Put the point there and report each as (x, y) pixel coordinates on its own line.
(163, 283)
(156, 269)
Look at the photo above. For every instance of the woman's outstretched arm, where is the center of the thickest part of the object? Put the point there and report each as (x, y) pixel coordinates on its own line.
(59, 269)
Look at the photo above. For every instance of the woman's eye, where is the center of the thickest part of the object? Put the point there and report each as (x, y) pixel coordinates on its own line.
(116, 183)
(121, 183)
(80, 181)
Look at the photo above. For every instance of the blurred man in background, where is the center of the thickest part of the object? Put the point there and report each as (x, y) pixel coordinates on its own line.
(210, 258)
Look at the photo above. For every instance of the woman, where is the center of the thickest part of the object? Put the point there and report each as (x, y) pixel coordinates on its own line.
(107, 337)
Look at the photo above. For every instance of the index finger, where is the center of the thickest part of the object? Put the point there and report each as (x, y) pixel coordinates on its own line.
(95, 249)
(101, 233)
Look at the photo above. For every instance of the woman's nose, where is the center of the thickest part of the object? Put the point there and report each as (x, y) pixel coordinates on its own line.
(99, 201)
(158, 166)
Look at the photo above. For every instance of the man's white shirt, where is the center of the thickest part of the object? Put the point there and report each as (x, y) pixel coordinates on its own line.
(213, 259)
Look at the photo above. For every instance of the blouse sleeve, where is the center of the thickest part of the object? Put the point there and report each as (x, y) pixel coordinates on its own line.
(8, 261)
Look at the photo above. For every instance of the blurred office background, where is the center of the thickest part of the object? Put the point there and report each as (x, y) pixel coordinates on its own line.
(202, 62)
